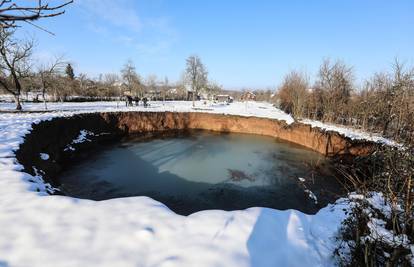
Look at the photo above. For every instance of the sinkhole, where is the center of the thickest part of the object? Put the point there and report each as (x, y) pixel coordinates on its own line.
(202, 170)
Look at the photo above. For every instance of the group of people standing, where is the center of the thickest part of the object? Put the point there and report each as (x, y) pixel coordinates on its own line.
(129, 101)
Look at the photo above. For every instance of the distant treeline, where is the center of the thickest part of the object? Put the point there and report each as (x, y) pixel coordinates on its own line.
(384, 103)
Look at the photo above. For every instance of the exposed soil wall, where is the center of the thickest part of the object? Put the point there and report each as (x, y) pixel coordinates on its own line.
(56, 136)
(326, 142)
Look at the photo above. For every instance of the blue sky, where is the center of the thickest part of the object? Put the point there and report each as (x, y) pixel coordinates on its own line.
(243, 43)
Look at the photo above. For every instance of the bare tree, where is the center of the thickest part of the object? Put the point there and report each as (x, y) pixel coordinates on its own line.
(15, 58)
(83, 80)
(111, 82)
(47, 74)
(131, 79)
(293, 93)
(12, 11)
(196, 75)
(151, 84)
(164, 88)
(384, 104)
(336, 82)
(213, 88)
(403, 88)
(181, 88)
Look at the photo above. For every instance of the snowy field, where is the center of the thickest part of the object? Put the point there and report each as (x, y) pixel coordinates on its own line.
(264, 110)
(257, 109)
(41, 230)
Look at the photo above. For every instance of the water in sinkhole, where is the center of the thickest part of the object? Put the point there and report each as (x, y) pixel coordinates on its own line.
(202, 170)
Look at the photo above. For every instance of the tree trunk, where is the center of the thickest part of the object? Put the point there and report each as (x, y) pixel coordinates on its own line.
(193, 99)
(44, 100)
(385, 127)
(17, 100)
(44, 92)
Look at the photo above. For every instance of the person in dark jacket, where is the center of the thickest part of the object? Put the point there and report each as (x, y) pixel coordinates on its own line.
(128, 101)
(136, 100)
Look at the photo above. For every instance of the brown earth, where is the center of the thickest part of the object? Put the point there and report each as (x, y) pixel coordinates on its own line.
(326, 142)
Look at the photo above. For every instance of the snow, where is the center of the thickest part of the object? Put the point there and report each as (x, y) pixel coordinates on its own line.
(248, 109)
(377, 208)
(379, 232)
(377, 226)
(351, 132)
(69, 148)
(311, 195)
(37, 229)
(44, 156)
(82, 137)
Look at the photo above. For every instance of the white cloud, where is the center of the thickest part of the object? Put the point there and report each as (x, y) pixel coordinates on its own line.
(148, 36)
(120, 13)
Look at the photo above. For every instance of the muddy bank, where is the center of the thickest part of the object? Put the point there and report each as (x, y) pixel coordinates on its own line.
(326, 142)
(66, 140)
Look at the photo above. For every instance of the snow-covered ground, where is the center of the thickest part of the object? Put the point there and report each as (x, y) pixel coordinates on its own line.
(256, 109)
(351, 133)
(41, 230)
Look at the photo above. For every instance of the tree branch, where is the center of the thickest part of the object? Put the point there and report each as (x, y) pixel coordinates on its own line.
(11, 12)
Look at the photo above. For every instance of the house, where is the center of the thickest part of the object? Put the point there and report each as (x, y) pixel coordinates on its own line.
(223, 98)
(248, 96)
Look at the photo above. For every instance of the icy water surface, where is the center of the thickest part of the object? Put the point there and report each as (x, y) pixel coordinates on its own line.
(205, 170)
